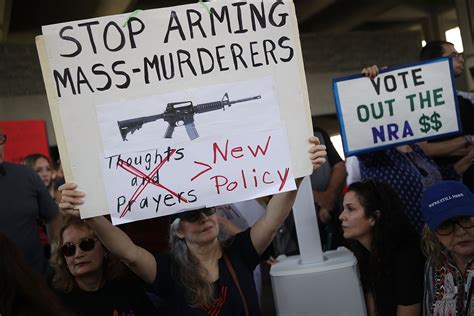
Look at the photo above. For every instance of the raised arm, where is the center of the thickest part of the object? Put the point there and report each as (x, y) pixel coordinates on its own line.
(263, 231)
(139, 260)
(465, 162)
(458, 146)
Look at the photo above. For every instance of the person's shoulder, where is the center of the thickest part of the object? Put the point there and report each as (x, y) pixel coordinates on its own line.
(16, 167)
(18, 170)
(241, 245)
(240, 237)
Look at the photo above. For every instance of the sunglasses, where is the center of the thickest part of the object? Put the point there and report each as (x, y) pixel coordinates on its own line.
(86, 244)
(447, 227)
(194, 216)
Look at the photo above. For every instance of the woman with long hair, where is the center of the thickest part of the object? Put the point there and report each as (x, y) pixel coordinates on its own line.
(448, 242)
(23, 292)
(88, 279)
(205, 273)
(42, 166)
(386, 247)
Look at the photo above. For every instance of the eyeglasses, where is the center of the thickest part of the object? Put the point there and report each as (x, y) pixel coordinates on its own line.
(456, 55)
(3, 139)
(447, 227)
(86, 244)
(194, 216)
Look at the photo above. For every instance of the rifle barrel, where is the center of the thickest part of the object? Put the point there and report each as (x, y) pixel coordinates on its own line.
(246, 99)
(217, 105)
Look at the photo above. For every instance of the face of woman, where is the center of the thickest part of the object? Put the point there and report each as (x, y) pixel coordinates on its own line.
(355, 224)
(200, 232)
(82, 262)
(460, 243)
(43, 169)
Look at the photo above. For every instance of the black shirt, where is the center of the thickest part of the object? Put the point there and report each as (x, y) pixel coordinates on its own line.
(401, 282)
(244, 259)
(117, 297)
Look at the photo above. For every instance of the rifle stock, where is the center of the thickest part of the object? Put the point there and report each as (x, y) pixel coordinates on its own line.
(132, 125)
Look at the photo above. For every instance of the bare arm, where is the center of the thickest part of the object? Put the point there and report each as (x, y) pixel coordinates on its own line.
(452, 147)
(327, 199)
(370, 304)
(140, 261)
(410, 310)
(263, 231)
(465, 162)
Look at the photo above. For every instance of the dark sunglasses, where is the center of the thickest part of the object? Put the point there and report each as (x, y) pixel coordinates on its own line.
(194, 216)
(86, 244)
(447, 227)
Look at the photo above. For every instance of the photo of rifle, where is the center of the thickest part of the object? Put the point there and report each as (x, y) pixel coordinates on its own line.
(178, 112)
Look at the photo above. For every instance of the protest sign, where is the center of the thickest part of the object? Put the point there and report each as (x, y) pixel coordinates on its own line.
(401, 105)
(24, 138)
(195, 82)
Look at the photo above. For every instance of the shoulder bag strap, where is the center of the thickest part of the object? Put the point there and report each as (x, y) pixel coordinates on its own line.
(236, 281)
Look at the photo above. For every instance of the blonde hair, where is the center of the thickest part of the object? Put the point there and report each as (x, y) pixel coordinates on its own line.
(430, 245)
(63, 280)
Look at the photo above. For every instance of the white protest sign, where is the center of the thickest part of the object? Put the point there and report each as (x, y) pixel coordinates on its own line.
(199, 74)
(401, 105)
(204, 173)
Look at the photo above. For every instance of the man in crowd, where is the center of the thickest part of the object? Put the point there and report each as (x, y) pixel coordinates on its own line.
(24, 199)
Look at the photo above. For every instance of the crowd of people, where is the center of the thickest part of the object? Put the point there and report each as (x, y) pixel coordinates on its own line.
(407, 214)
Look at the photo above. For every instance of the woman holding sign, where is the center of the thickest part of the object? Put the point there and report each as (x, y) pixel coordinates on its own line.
(89, 280)
(203, 274)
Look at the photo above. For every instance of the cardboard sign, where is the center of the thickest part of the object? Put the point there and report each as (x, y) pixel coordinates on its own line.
(401, 105)
(176, 78)
(24, 138)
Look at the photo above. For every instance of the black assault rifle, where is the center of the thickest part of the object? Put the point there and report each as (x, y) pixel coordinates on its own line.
(178, 112)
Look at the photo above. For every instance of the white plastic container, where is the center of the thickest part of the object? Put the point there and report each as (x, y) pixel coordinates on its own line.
(330, 287)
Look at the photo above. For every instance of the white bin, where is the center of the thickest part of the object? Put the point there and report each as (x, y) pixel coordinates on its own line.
(331, 287)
